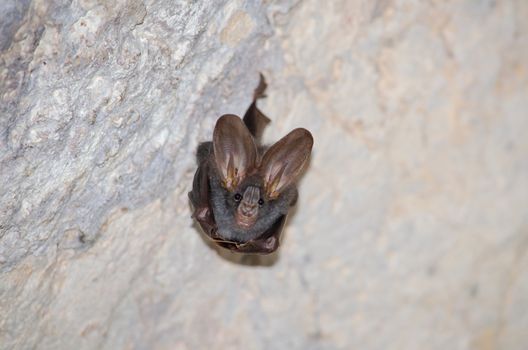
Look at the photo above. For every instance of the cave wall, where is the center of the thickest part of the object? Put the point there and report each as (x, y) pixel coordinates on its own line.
(411, 231)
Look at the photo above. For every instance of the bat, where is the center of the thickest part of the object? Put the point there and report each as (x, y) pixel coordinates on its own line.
(242, 191)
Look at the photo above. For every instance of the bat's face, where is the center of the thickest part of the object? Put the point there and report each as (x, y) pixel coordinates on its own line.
(253, 192)
(245, 212)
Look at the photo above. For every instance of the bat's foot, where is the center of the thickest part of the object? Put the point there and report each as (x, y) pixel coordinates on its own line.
(260, 91)
(254, 119)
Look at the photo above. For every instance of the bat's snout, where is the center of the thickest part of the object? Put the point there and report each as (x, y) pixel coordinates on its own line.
(247, 210)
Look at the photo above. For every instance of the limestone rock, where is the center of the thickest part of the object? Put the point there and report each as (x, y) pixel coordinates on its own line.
(411, 230)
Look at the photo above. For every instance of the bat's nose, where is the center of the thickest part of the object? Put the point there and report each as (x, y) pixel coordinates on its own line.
(248, 209)
(249, 204)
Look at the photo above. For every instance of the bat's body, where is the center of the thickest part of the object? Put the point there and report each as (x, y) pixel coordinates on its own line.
(242, 191)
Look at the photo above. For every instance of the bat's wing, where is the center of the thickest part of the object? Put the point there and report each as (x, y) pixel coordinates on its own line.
(200, 200)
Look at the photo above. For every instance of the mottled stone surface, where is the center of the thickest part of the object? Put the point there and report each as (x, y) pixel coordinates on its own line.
(412, 225)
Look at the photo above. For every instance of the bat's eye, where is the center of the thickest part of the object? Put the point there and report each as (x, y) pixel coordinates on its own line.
(238, 197)
(261, 202)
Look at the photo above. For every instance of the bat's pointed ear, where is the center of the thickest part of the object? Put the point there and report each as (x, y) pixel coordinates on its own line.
(284, 161)
(235, 152)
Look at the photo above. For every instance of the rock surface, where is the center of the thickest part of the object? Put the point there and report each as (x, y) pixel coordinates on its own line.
(412, 225)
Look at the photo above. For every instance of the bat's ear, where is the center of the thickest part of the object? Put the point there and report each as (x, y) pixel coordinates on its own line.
(284, 161)
(235, 152)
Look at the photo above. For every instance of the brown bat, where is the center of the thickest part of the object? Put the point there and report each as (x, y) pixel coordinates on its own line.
(242, 191)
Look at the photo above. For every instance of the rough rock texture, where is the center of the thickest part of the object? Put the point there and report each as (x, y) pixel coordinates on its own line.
(412, 225)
